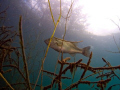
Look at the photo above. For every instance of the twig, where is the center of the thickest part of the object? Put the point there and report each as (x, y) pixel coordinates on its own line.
(116, 44)
(110, 88)
(86, 66)
(110, 66)
(23, 52)
(115, 24)
(2, 59)
(14, 66)
(4, 10)
(107, 68)
(106, 74)
(41, 68)
(87, 82)
(6, 81)
(55, 74)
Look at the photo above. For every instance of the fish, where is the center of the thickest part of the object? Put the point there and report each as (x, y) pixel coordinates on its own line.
(64, 46)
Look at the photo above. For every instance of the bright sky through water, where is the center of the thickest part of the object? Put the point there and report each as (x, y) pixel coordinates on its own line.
(99, 13)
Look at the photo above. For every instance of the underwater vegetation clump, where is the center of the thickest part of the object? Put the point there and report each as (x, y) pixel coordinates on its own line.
(13, 63)
(100, 83)
(7, 37)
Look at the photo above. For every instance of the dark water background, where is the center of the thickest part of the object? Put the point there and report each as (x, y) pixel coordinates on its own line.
(38, 26)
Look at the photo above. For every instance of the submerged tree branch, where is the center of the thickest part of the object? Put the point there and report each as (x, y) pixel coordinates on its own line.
(6, 81)
(23, 53)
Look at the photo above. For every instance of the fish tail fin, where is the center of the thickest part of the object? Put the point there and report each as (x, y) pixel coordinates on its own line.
(86, 51)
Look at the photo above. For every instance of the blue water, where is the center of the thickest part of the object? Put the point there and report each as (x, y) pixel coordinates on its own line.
(37, 26)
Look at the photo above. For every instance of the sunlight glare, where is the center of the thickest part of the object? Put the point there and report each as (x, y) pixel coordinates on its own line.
(99, 14)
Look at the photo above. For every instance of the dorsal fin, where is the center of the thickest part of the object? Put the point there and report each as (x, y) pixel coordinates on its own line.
(76, 43)
(68, 41)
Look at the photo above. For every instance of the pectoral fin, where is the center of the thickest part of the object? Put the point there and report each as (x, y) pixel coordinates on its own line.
(59, 43)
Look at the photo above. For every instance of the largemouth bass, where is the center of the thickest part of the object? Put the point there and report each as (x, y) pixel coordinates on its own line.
(64, 46)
